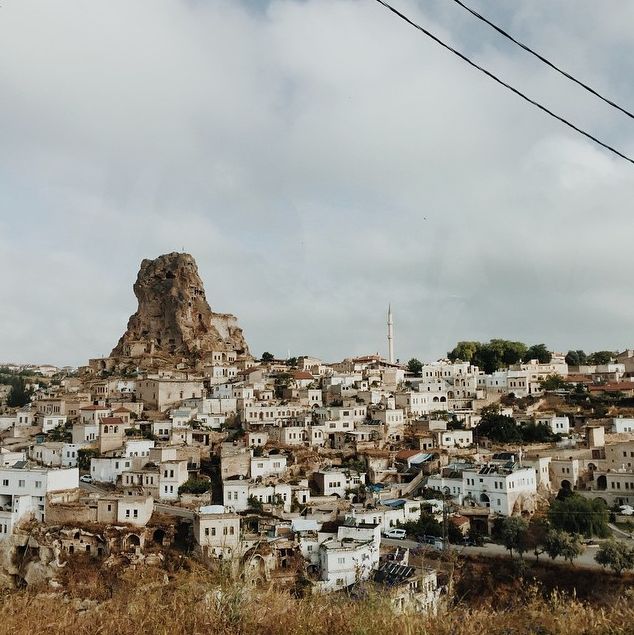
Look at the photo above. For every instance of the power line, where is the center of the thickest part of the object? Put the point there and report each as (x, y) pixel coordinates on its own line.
(502, 83)
(543, 59)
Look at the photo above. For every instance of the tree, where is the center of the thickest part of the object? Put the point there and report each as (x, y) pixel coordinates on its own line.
(554, 381)
(19, 395)
(578, 515)
(514, 533)
(282, 381)
(536, 535)
(490, 356)
(267, 357)
(533, 432)
(562, 543)
(538, 352)
(292, 362)
(616, 555)
(83, 457)
(576, 358)
(497, 427)
(414, 366)
(464, 351)
(195, 486)
(601, 357)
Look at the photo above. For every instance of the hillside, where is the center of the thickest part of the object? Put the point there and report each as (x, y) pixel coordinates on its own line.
(182, 597)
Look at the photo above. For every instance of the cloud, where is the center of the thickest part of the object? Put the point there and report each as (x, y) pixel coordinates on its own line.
(320, 159)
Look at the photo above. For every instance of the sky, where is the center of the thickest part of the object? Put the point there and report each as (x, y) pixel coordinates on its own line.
(321, 160)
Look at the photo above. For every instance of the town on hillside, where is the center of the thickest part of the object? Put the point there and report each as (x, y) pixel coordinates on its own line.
(301, 473)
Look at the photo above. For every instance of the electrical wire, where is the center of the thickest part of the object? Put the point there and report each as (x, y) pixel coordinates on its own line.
(543, 59)
(502, 83)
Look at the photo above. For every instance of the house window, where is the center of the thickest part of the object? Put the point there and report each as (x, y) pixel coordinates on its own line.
(213, 531)
(5, 482)
(206, 531)
(38, 484)
(21, 483)
(127, 513)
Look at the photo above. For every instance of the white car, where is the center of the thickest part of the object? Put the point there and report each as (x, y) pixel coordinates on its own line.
(85, 478)
(626, 510)
(398, 534)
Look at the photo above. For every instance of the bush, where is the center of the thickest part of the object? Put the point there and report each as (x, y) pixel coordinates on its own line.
(195, 486)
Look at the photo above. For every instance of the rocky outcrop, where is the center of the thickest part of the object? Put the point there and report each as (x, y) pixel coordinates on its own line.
(174, 323)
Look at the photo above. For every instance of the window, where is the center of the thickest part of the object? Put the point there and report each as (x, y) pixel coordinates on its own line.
(213, 531)
(21, 483)
(38, 484)
(232, 530)
(5, 482)
(206, 531)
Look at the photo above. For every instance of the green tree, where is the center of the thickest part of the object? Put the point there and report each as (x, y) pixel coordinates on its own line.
(490, 356)
(533, 432)
(562, 543)
(425, 525)
(19, 395)
(514, 534)
(254, 503)
(576, 358)
(83, 457)
(554, 381)
(538, 352)
(464, 351)
(292, 362)
(282, 381)
(267, 357)
(497, 427)
(578, 515)
(414, 366)
(601, 357)
(195, 486)
(616, 555)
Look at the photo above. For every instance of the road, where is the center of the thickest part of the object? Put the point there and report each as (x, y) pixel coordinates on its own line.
(586, 560)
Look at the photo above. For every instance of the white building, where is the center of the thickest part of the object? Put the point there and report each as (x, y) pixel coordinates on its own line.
(338, 481)
(23, 492)
(216, 531)
(622, 424)
(172, 474)
(498, 488)
(272, 465)
(343, 563)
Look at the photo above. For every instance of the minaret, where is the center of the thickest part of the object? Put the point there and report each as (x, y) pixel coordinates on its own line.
(390, 335)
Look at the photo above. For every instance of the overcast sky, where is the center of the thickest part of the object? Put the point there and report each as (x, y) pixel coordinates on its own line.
(320, 159)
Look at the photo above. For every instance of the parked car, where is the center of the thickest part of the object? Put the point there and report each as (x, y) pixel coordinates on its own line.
(85, 478)
(398, 534)
(626, 510)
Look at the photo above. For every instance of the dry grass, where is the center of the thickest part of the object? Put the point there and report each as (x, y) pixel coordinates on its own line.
(195, 601)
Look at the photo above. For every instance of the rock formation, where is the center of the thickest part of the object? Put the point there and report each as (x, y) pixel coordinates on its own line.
(174, 323)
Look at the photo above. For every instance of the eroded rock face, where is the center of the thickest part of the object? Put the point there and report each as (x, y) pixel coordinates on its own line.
(174, 321)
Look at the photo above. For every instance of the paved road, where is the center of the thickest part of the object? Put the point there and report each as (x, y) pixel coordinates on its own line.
(174, 511)
(492, 549)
